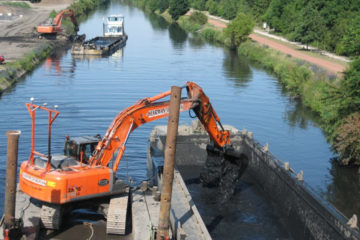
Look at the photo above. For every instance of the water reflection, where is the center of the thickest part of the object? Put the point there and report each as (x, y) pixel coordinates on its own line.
(177, 35)
(237, 69)
(298, 115)
(195, 41)
(344, 191)
(54, 63)
(157, 22)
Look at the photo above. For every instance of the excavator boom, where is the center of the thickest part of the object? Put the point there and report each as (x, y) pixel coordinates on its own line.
(55, 27)
(147, 110)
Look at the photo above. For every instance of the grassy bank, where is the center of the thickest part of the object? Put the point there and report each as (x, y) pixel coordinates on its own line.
(15, 70)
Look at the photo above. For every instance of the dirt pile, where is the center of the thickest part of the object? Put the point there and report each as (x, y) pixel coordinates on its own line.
(223, 169)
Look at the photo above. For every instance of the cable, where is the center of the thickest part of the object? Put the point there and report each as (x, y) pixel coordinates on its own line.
(91, 229)
(23, 210)
(148, 211)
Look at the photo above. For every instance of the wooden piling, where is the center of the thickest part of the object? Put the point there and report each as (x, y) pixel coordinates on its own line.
(11, 170)
(169, 162)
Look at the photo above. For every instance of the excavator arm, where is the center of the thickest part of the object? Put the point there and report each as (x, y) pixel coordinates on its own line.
(55, 27)
(148, 110)
(66, 13)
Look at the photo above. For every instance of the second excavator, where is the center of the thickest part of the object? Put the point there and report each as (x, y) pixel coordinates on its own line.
(87, 169)
(54, 27)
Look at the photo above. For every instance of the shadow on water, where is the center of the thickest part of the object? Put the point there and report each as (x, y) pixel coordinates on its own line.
(344, 189)
(177, 35)
(237, 69)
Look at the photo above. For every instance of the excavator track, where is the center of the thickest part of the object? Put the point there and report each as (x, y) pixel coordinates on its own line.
(51, 216)
(117, 214)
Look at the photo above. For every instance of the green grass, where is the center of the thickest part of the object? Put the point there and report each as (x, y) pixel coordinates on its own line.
(27, 63)
(16, 4)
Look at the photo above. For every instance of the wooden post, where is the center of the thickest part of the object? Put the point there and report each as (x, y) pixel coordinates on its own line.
(11, 170)
(169, 162)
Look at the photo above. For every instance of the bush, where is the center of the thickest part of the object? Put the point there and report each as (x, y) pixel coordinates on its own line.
(198, 17)
(188, 25)
(178, 8)
(239, 29)
(348, 139)
(213, 35)
(52, 14)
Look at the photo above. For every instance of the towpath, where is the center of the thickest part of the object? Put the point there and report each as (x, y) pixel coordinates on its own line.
(330, 62)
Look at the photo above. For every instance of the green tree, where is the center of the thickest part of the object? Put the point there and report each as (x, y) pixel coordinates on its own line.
(258, 7)
(350, 90)
(198, 4)
(273, 14)
(351, 39)
(212, 7)
(178, 8)
(312, 28)
(239, 29)
(228, 8)
(152, 5)
(163, 5)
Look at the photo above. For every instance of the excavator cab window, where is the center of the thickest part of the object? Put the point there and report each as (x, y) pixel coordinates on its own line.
(74, 146)
(87, 150)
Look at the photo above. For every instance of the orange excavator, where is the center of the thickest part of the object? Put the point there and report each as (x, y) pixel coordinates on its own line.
(54, 26)
(87, 169)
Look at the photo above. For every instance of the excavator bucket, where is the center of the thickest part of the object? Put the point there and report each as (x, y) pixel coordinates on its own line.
(223, 169)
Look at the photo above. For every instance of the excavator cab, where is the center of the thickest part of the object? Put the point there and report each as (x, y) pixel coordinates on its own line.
(81, 147)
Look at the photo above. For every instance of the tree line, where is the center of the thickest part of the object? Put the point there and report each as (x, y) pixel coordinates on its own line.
(333, 25)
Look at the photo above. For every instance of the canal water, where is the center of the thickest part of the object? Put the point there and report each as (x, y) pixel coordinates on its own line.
(91, 91)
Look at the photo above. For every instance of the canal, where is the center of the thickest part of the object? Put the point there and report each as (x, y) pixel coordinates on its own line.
(91, 91)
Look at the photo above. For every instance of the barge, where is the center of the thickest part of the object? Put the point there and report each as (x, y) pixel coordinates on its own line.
(272, 201)
(114, 38)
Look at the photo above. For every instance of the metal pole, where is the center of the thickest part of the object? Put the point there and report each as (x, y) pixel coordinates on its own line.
(169, 162)
(11, 170)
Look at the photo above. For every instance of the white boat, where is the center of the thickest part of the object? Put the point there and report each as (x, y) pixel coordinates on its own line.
(114, 37)
(113, 26)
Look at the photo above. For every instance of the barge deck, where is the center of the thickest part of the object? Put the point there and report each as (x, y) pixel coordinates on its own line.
(99, 46)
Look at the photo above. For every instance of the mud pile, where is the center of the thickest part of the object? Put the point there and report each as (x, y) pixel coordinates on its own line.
(223, 169)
